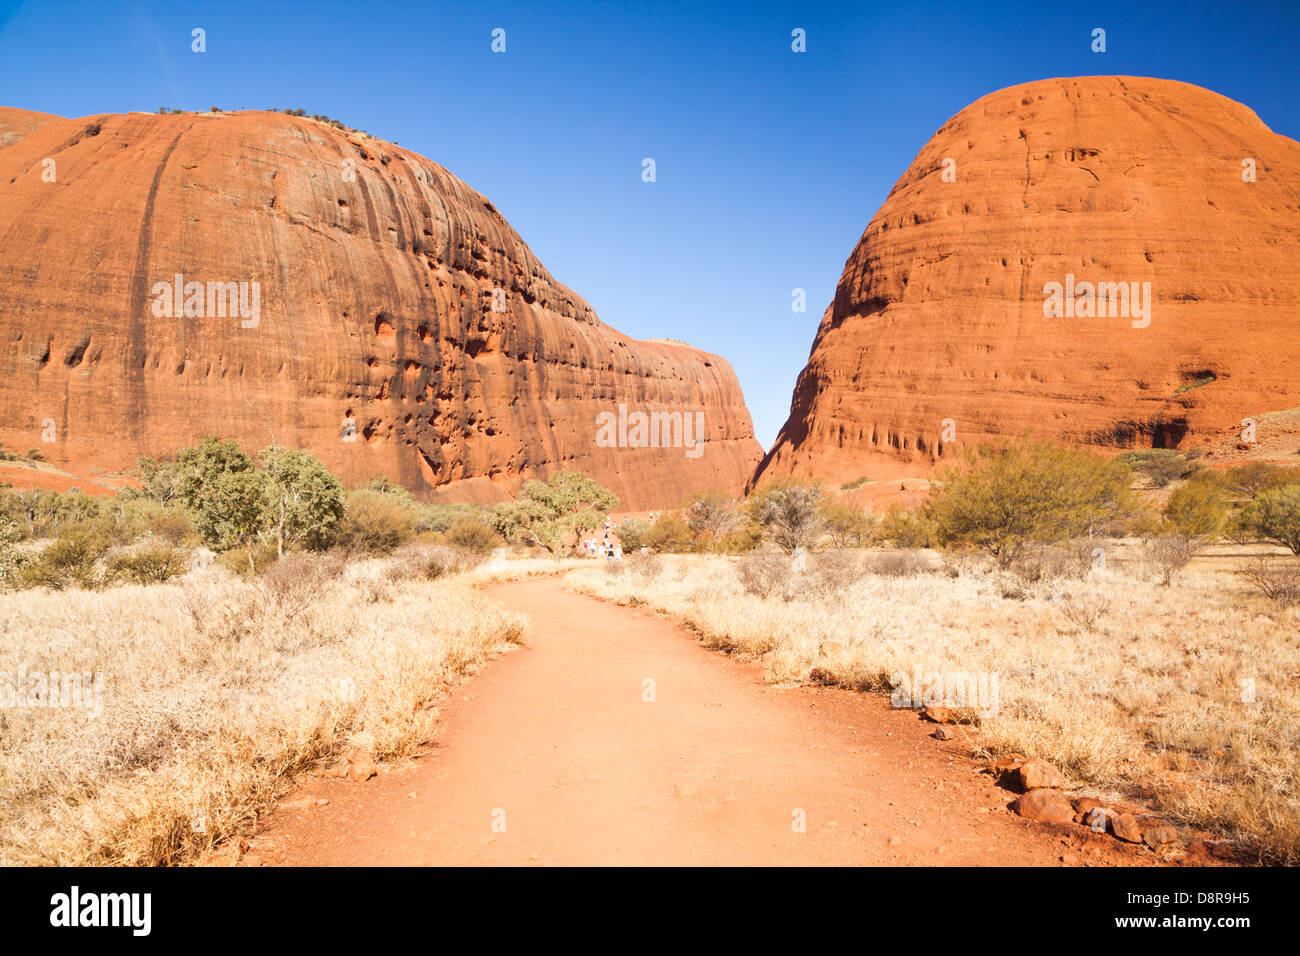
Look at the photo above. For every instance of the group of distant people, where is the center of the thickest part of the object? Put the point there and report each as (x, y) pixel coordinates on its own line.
(608, 545)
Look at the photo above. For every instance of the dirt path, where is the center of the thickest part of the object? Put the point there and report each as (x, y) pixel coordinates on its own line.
(556, 741)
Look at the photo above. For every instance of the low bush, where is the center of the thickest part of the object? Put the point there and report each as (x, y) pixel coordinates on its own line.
(670, 535)
(376, 522)
(906, 529)
(1051, 562)
(1277, 580)
(290, 585)
(69, 560)
(1274, 516)
(632, 534)
(763, 574)
(430, 562)
(150, 564)
(644, 565)
(1166, 555)
(897, 564)
(834, 572)
(472, 535)
(1030, 491)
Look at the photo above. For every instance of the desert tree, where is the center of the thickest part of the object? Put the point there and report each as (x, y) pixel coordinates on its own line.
(712, 514)
(225, 492)
(790, 512)
(304, 500)
(550, 513)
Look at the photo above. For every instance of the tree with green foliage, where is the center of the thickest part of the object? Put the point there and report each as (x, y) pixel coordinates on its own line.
(1029, 491)
(1275, 516)
(158, 480)
(632, 534)
(551, 513)
(226, 493)
(305, 501)
(1249, 480)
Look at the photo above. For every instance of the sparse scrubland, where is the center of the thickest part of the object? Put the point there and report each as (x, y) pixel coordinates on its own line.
(174, 656)
(1166, 662)
(236, 620)
(213, 692)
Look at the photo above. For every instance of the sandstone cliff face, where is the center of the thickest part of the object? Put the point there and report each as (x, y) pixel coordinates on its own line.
(376, 336)
(940, 311)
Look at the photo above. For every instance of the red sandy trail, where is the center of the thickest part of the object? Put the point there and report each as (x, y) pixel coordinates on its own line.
(556, 742)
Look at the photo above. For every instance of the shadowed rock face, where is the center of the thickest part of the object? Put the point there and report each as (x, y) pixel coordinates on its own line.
(940, 311)
(376, 309)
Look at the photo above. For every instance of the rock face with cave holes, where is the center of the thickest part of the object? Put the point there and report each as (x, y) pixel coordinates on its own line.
(402, 328)
(939, 314)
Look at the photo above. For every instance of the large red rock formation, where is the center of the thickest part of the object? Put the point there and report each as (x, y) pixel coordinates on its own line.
(377, 276)
(940, 311)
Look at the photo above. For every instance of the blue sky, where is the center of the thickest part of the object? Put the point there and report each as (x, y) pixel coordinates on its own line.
(769, 163)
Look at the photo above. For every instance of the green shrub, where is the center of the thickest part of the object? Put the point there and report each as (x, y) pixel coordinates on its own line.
(848, 526)
(1030, 491)
(376, 522)
(440, 517)
(906, 529)
(69, 560)
(236, 560)
(744, 538)
(1160, 466)
(632, 534)
(1255, 477)
(670, 535)
(171, 525)
(1197, 509)
(11, 559)
(1275, 516)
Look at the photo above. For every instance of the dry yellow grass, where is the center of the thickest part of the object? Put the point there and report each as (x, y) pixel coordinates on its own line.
(1189, 689)
(212, 701)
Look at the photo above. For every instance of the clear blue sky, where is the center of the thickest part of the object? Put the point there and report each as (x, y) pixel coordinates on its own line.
(769, 163)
